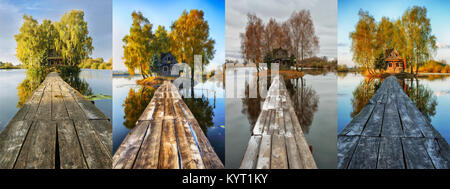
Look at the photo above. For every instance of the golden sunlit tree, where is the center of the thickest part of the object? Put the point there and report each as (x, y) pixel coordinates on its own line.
(190, 36)
(137, 48)
(364, 41)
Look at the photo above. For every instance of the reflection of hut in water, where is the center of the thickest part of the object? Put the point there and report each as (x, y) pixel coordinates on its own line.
(394, 63)
(54, 59)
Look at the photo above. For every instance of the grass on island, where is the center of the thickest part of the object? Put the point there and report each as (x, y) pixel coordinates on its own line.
(153, 81)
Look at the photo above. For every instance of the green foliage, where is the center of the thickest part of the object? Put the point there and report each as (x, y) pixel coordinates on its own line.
(410, 35)
(137, 44)
(154, 64)
(73, 42)
(67, 38)
(97, 63)
(8, 65)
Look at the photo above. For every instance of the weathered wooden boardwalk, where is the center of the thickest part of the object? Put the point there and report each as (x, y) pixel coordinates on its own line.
(277, 140)
(166, 136)
(391, 133)
(57, 128)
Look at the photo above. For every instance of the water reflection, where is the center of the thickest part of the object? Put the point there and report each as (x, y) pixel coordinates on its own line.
(305, 101)
(73, 79)
(314, 99)
(135, 103)
(421, 95)
(28, 85)
(202, 110)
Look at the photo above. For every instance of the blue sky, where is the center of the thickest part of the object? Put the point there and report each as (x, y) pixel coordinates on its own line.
(98, 15)
(438, 12)
(164, 13)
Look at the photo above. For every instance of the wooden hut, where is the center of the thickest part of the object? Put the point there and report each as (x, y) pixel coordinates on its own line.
(394, 63)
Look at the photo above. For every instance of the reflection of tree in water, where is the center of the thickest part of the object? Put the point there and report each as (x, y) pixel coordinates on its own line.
(305, 101)
(73, 79)
(135, 104)
(28, 85)
(363, 93)
(202, 110)
(422, 97)
(251, 105)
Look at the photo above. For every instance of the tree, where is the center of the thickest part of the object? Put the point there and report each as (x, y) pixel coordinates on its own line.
(364, 41)
(304, 40)
(252, 40)
(30, 44)
(421, 42)
(271, 32)
(137, 49)
(73, 42)
(154, 64)
(161, 41)
(189, 37)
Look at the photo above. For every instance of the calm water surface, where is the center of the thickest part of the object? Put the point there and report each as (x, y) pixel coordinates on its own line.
(315, 102)
(92, 82)
(208, 107)
(430, 93)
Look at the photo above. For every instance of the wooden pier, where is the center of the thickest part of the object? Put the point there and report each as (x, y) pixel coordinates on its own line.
(166, 136)
(277, 140)
(391, 133)
(57, 128)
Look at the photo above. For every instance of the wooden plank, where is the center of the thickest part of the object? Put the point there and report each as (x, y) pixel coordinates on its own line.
(209, 157)
(409, 126)
(44, 111)
(95, 152)
(191, 137)
(38, 151)
(346, 147)
(416, 155)
(59, 111)
(437, 154)
(148, 156)
(259, 126)
(288, 123)
(358, 123)
(373, 127)
(73, 109)
(366, 153)
(305, 154)
(190, 153)
(168, 156)
(11, 140)
(390, 154)
(278, 159)
(70, 153)
(104, 130)
(391, 119)
(280, 122)
(264, 154)
(88, 107)
(126, 154)
(266, 130)
(251, 153)
(293, 154)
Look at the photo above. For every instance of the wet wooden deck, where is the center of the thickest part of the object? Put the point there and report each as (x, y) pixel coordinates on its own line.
(166, 136)
(277, 140)
(57, 128)
(391, 133)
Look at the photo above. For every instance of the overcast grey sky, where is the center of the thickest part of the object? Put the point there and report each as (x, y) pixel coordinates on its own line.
(97, 13)
(323, 12)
